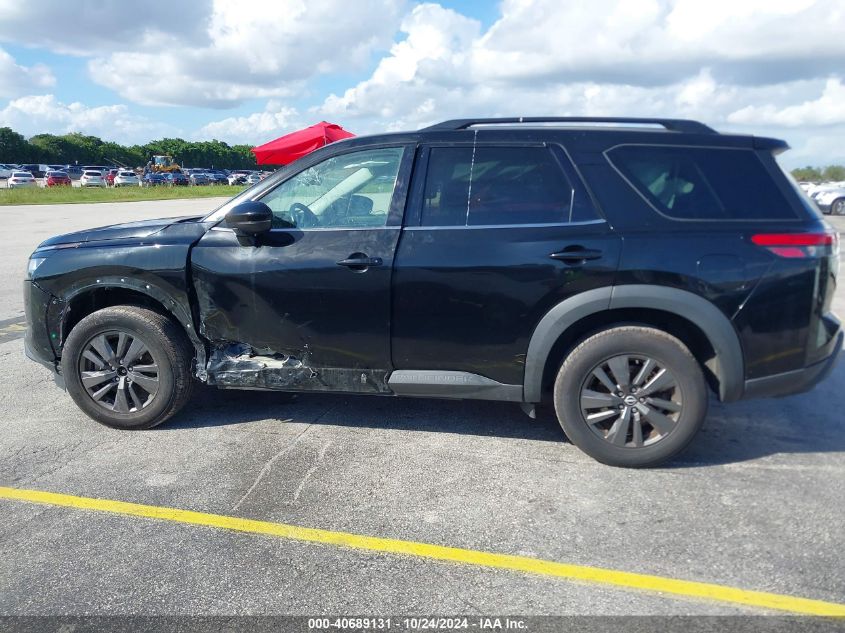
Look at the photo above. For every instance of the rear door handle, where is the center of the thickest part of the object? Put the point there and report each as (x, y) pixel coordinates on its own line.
(575, 254)
(360, 261)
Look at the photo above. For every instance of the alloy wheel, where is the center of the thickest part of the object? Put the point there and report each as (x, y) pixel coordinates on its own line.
(631, 401)
(119, 372)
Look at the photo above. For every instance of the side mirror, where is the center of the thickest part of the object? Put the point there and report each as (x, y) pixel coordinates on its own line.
(250, 218)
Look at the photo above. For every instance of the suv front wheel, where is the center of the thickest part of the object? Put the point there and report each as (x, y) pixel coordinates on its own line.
(128, 367)
(631, 396)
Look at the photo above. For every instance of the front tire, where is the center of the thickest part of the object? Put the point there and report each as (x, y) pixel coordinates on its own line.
(631, 396)
(128, 367)
(837, 207)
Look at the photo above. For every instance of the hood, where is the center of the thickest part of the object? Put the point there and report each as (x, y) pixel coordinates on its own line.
(129, 230)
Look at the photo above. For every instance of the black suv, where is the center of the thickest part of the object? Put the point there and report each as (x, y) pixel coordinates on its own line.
(617, 267)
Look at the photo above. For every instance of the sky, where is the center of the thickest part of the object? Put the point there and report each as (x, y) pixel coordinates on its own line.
(248, 71)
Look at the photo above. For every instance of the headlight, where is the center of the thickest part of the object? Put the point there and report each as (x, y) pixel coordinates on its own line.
(34, 263)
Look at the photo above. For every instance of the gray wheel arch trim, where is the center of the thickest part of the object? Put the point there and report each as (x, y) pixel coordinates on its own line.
(716, 327)
(174, 308)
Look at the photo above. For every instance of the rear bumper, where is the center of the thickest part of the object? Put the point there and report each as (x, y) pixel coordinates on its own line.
(798, 381)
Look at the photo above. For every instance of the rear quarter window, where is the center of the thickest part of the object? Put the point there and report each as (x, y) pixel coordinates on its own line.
(702, 183)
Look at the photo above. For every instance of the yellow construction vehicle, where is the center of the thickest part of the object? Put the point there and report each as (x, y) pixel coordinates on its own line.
(162, 163)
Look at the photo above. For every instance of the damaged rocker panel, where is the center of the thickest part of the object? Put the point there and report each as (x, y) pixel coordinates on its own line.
(238, 366)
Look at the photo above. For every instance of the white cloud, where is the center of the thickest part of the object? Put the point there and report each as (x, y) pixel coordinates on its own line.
(211, 53)
(827, 109)
(728, 63)
(16, 80)
(772, 67)
(36, 114)
(256, 128)
(87, 27)
(251, 49)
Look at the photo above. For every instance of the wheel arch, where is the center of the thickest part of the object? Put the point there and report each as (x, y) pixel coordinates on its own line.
(107, 292)
(694, 320)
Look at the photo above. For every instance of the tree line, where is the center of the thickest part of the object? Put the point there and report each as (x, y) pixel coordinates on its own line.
(831, 173)
(75, 148)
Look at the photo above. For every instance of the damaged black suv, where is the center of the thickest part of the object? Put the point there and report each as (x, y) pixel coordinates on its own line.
(619, 268)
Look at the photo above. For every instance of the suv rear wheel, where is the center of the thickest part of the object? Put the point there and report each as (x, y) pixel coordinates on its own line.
(631, 396)
(128, 367)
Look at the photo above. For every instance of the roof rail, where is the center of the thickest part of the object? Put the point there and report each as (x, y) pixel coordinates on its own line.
(675, 125)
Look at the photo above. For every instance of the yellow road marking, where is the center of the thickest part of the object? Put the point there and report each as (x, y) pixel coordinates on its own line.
(686, 588)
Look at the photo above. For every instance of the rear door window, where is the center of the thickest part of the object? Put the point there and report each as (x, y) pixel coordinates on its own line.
(702, 183)
(489, 186)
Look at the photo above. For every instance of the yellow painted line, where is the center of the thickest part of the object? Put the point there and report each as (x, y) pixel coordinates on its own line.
(627, 580)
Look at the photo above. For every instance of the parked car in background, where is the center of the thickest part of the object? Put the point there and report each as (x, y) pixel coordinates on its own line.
(198, 178)
(92, 178)
(817, 190)
(109, 177)
(103, 169)
(6, 170)
(153, 179)
(56, 179)
(831, 201)
(125, 178)
(238, 177)
(21, 179)
(253, 179)
(176, 179)
(34, 169)
(74, 171)
(217, 178)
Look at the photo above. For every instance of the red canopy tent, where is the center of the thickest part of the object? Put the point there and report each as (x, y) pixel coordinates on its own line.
(289, 147)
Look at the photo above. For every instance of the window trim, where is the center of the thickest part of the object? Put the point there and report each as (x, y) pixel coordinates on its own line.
(577, 189)
(636, 189)
(505, 226)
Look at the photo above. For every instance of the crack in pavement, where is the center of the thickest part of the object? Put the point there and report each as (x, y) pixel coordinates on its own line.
(268, 466)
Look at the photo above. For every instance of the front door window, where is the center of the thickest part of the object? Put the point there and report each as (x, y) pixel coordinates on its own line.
(346, 191)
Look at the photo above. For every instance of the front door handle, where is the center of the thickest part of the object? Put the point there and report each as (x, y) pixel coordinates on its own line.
(360, 262)
(576, 254)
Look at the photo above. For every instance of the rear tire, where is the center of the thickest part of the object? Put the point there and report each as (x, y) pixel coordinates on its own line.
(837, 207)
(128, 367)
(631, 396)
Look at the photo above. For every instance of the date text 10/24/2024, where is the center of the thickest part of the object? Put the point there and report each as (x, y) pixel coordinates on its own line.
(419, 623)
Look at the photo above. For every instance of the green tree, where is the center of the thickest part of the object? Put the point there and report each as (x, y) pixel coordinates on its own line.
(14, 148)
(833, 172)
(91, 150)
(813, 174)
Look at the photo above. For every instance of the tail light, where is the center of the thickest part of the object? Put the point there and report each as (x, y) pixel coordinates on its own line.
(799, 245)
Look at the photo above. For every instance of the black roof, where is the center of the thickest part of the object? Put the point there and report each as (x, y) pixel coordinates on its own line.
(596, 133)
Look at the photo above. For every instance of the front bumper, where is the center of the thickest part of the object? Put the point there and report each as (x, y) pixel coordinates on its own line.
(798, 381)
(38, 305)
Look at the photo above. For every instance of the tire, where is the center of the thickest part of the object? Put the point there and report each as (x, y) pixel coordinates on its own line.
(837, 207)
(160, 392)
(662, 406)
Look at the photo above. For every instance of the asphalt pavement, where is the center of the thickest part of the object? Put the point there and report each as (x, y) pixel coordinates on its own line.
(756, 503)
